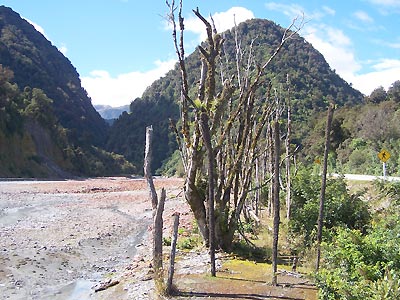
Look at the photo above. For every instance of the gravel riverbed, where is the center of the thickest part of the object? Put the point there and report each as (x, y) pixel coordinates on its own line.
(62, 239)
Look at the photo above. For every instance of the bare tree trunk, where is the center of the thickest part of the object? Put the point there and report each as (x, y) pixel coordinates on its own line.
(147, 167)
(173, 252)
(288, 162)
(320, 222)
(257, 191)
(157, 240)
(276, 203)
(270, 169)
(158, 209)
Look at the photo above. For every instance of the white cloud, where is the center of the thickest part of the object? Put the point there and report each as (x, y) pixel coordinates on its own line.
(63, 49)
(329, 10)
(37, 27)
(124, 88)
(294, 10)
(336, 47)
(386, 71)
(223, 21)
(387, 7)
(363, 16)
(386, 2)
(394, 45)
(290, 10)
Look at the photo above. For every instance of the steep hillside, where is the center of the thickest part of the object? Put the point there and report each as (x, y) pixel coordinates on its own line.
(48, 126)
(313, 82)
(38, 64)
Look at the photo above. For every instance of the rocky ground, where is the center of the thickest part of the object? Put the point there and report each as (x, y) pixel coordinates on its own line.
(64, 239)
(91, 239)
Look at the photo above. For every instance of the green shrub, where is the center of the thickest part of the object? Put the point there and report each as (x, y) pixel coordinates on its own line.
(341, 207)
(357, 266)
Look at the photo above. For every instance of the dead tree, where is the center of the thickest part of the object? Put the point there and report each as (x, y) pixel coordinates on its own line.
(171, 269)
(221, 128)
(158, 209)
(288, 153)
(320, 222)
(276, 202)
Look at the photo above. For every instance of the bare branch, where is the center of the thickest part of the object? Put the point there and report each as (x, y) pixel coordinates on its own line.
(287, 35)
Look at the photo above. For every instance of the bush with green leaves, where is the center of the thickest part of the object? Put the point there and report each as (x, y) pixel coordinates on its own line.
(341, 208)
(389, 189)
(357, 266)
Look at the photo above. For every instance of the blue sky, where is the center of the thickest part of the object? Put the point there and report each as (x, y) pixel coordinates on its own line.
(119, 47)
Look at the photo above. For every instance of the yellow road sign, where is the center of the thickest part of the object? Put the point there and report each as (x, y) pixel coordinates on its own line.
(384, 155)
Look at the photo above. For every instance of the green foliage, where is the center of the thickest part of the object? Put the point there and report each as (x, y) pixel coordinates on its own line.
(389, 189)
(33, 138)
(38, 107)
(189, 242)
(394, 91)
(172, 166)
(52, 120)
(357, 266)
(167, 241)
(98, 162)
(127, 135)
(358, 134)
(251, 252)
(35, 62)
(387, 288)
(341, 208)
(378, 95)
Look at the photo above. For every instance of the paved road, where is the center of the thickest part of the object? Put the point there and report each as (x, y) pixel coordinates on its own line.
(368, 177)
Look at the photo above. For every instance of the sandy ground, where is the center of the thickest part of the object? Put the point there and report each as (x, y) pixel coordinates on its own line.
(63, 239)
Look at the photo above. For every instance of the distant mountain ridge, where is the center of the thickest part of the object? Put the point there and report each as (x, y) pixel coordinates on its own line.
(108, 112)
(312, 82)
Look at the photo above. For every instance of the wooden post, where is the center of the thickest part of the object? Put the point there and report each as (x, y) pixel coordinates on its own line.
(276, 203)
(158, 209)
(320, 222)
(173, 252)
(157, 239)
(147, 167)
(288, 163)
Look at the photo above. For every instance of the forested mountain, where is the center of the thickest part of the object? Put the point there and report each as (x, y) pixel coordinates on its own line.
(312, 84)
(48, 126)
(37, 63)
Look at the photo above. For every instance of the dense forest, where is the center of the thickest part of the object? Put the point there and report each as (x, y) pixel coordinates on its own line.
(48, 125)
(33, 143)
